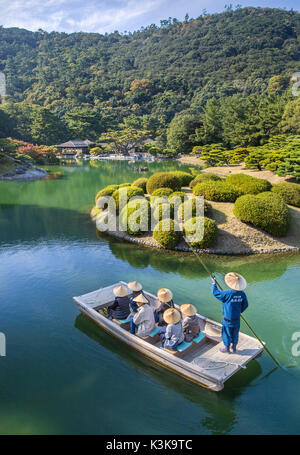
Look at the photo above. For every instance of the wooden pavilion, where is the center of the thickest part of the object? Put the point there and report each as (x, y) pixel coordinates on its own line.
(72, 148)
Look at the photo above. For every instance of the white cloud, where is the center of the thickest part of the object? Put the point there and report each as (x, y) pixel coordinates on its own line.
(63, 15)
(109, 15)
(113, 17)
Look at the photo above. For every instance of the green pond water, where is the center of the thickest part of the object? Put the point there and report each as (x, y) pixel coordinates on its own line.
(63, 374)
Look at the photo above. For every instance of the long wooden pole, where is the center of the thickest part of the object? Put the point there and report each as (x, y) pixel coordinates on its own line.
(242, 317)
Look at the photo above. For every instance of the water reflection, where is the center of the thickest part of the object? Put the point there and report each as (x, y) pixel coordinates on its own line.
(220, 406)
(78, 186)
(27, 222)
(256, 267)
(50, 252)
(30, 222)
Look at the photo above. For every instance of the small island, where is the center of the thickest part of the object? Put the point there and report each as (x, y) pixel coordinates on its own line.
(243, 214)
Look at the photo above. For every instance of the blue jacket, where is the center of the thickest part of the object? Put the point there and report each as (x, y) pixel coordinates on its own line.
(233, 304)
(133, 305)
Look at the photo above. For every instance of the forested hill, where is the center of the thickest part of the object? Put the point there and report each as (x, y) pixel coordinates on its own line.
(158, 69)
(221, 78)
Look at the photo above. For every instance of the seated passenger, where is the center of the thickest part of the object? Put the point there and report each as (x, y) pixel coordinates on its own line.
(120, 308)
(165, 298)
(143, 320)
(172, 334)
(136, 288)
(190, 322)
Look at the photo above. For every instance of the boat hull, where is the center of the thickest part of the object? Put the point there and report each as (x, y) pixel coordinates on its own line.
(159, 359)
(201, 363)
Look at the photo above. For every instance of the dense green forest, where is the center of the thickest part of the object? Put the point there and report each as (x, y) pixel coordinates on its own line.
(220, 78)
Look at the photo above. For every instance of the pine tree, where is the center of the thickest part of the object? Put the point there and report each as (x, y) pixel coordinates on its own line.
(211, 129)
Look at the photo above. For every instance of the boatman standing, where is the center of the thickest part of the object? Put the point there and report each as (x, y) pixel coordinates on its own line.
(234, 302)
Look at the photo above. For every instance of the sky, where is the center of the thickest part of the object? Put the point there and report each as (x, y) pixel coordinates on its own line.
(109, 15)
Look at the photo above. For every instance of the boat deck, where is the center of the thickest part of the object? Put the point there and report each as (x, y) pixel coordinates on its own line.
(203, 358)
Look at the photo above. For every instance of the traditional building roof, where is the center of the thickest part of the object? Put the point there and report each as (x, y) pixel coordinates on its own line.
(75, 144)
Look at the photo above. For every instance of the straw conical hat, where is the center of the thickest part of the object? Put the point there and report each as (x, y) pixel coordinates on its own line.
(172, 316)
(135, 286)
(188, 310)
(120, 291)
(164, 295)
(140, 299)
(235, 281)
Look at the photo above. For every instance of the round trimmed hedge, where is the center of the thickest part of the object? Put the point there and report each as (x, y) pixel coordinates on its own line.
(161, 192)
(163, 211)
(95, 212)
(160, 196)
(188, 209)
(218, 191)
(290, 192)
(185, 177)
(139, 223)
(132, 191)
(178, 194)
(107, 191)
(124, 185)
(165, 234)
(210, 232)
(203, 177)
(266, 211)
(163, 180)
(141, 183)
(248, 184)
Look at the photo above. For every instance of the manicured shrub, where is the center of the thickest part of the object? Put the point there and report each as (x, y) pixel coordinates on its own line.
(95, 212)
(124, 185)
(185, 177)
(160, 196)
(103, 222)
(194, 229)
(266, 211)
(163, 180)
(141, 183)
(178, 194)
(161, 192)
(191, 208)
(120, 194)
(163, 211)
(217, 191)
(165, 234)
(135, 217)
(290, 192)
(203, 177)
(248, 184)
(107, 191)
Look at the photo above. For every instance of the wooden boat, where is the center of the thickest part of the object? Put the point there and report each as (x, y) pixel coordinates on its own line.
(199, 361)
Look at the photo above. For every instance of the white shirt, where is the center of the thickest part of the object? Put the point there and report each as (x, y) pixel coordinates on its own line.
(144, 318)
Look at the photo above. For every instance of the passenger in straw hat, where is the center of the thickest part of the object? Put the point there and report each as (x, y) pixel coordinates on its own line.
(190, 321)
(234, 302)
(120, 307)
(172, 334)
(136, 288)
(165, 298)
(143, 321)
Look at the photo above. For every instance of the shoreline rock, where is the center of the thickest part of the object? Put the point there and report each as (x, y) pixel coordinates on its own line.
(25, 174)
